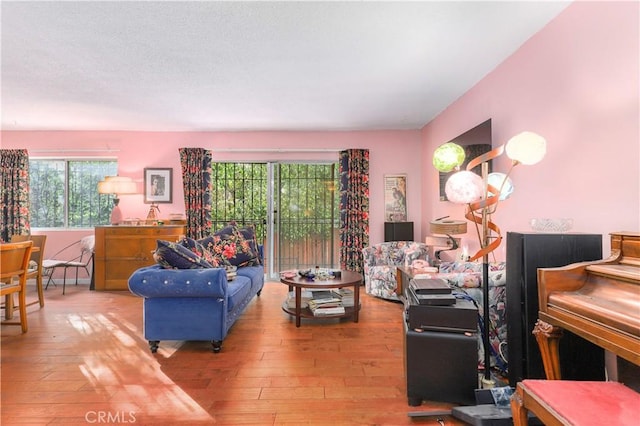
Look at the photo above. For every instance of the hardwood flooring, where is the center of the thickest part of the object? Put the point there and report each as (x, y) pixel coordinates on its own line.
(84, 361)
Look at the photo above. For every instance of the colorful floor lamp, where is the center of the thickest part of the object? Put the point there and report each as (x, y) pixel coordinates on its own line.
(481, 195)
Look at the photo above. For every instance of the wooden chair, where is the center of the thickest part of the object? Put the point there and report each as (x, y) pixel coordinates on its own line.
(14, 263)
(37, 254)
(63, 259)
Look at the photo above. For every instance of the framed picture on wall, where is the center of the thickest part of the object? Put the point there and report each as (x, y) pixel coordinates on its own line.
(158, 185)
(395, 198)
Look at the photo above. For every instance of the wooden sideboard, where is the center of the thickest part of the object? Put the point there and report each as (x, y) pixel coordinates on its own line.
(122, 249)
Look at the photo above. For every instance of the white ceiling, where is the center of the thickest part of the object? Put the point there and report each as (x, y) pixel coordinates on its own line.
(238, 66)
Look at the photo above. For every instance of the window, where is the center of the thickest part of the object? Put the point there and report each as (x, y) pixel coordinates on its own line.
(63, 193)
(295, 207)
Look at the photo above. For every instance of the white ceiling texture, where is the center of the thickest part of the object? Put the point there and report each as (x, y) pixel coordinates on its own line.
(241, 66)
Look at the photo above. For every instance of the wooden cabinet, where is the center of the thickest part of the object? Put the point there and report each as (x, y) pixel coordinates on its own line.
(120, 250)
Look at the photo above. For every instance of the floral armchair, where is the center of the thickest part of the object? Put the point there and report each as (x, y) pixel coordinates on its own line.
(381, 261)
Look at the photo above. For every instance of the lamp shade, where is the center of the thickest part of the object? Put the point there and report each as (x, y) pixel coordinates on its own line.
(448, 156)
(448, 227)
(502, 182)
(527, 148)
(464, 187)
(117, 185)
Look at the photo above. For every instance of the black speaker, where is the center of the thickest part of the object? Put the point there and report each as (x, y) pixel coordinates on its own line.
(398, 231)
(441, 366)
(526, 252)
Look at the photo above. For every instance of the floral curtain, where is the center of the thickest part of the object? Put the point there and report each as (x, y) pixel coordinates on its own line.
(196, 179)
(14, 193)
(354, 208)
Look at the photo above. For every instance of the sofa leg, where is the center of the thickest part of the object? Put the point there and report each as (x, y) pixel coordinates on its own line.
(153, 345)
(217, 345)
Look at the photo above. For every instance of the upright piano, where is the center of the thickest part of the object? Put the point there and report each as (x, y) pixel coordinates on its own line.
(598, 301)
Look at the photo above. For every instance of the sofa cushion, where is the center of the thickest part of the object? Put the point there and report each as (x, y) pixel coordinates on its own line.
(461, 279)
(497, 273)
(199, 249)
(249, 233)
(231, 244)
(255, 274)
(238, 290)
(175, 256)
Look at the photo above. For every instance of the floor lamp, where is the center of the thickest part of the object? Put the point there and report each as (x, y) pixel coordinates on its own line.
(481, 195)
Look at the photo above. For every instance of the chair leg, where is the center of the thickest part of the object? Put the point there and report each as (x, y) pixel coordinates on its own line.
(40, 290)
(23, 310)
(64, 280)
(8, 306)
(50, 280)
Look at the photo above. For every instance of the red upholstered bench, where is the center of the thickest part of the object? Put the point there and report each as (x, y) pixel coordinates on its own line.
(578, 403)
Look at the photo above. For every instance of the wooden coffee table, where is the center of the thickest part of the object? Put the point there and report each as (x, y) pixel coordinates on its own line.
(347, 279)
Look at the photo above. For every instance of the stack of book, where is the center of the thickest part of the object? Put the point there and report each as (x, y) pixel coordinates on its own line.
(306, 295)
(431, 291)
(325, 303)
(346, 295)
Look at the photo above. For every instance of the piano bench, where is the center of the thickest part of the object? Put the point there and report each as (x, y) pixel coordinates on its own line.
(567, 402)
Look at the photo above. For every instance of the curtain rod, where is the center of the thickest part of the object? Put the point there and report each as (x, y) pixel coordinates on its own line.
(75, 150)
(275, 150)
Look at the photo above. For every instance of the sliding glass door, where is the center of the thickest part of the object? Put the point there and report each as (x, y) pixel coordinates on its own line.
(294, 207)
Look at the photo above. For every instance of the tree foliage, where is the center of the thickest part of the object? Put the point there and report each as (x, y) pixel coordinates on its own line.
(63, 193)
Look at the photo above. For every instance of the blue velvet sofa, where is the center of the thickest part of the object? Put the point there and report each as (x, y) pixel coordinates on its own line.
(193, 304)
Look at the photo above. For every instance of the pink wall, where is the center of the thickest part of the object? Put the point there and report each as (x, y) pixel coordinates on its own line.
(391, 152)
(575, 83)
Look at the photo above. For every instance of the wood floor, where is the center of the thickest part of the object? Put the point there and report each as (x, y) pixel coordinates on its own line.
(84, 361)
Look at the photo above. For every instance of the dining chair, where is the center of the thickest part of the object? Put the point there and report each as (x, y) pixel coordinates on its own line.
(67, 258)
(14, 263)
(35, 266)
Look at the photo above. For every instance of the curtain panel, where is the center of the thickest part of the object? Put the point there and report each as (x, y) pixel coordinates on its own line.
(196, 178)
(354, 208)
(14, 193)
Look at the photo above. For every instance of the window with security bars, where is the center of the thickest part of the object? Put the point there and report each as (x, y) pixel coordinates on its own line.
(304, 221)
(63, 193)
(308, 219)
(240, 194)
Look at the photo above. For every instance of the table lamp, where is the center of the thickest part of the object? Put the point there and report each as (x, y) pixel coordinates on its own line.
(447, 227)
(117, 185)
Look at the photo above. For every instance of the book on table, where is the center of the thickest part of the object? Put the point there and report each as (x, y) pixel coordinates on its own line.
(326, 311)
(325, 303)
(346, 295)
(304, 300)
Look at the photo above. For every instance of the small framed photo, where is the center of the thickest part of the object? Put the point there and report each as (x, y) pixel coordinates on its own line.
(158, 185)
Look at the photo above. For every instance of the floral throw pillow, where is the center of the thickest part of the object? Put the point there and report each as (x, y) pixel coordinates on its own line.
(175, 256)
(231, 244)
(202, 251)
(249, 234)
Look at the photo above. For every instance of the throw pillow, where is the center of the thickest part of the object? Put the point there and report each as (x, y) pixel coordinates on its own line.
(249, 234)
(231, 244)
(202, 251)
(175, 256)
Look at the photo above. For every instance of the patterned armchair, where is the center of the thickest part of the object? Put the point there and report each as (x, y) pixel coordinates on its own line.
(381, 261)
